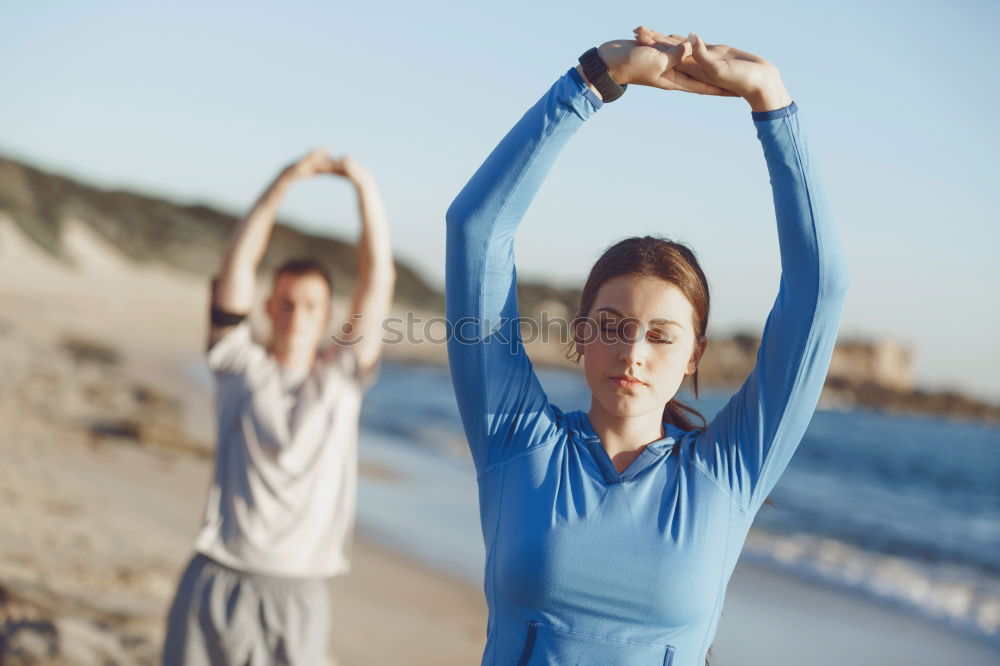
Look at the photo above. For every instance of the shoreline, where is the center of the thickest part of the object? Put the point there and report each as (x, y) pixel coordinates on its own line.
(773, 616)
(391, 513)
(770, 617)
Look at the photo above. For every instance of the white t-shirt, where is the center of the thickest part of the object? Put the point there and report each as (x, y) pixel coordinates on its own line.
(285, 490)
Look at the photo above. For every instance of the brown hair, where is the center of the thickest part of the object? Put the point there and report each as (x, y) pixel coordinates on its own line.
(300, 266)
(648, 256)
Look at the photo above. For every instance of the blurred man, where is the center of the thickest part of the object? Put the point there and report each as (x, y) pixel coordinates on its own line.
(280, 511)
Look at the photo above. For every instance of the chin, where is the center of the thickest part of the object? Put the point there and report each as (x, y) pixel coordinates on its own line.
(301, 341)
(629, 406)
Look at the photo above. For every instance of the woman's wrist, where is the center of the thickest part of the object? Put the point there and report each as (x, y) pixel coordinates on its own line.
(579, 70)
(770, 97)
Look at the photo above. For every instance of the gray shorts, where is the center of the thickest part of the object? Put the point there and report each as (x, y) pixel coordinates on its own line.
(225, 617)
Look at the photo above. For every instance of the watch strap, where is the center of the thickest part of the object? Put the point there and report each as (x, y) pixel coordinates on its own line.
(596, 71)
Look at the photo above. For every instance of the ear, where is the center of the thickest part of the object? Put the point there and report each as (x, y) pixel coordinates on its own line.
(700, 345)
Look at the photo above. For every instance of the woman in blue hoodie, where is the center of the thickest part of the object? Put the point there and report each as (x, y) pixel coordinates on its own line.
(611, 534)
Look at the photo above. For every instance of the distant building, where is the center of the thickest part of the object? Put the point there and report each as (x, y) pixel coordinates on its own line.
(885, 363)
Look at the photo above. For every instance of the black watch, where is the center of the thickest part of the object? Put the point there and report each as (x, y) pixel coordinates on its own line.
(596, 71)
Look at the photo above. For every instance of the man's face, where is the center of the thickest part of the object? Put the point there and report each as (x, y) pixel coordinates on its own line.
(299, 308)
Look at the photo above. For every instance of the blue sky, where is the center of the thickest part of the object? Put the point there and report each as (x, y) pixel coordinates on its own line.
(205, 101)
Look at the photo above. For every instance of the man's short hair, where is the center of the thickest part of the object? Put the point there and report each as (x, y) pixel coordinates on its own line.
(300, 266)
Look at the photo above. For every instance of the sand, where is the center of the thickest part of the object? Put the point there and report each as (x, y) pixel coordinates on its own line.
(100, 519)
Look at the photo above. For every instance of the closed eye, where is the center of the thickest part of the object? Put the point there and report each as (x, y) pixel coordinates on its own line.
(611, 332)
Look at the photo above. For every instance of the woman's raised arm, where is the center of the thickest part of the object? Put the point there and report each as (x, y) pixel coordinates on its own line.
(749, 443)
(499, 397)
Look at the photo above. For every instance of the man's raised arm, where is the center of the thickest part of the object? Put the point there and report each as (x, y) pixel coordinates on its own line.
(376, 277)
(233, 289)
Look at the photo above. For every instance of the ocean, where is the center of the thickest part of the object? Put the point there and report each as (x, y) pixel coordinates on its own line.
(902, 509)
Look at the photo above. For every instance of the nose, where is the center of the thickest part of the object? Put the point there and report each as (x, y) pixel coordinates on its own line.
(633, 351)
(296, 318)
(632, 354)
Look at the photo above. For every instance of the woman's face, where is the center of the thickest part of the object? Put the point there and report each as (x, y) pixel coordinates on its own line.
(638, 345)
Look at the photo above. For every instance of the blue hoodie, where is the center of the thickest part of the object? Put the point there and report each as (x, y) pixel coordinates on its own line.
(586, 565)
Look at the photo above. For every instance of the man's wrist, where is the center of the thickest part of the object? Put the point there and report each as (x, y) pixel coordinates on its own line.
(362, 181)
(287, 176)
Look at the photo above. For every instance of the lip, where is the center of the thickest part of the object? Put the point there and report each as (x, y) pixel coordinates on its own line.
(624, 381)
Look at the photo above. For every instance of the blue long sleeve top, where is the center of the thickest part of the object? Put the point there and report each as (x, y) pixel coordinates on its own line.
(586, 565)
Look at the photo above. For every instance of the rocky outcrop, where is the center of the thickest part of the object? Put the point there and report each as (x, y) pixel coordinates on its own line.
(855, 362)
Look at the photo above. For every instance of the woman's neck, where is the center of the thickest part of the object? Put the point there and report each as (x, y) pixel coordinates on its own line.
(624, 437)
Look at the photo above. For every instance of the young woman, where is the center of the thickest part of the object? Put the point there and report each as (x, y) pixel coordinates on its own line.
(611, 534)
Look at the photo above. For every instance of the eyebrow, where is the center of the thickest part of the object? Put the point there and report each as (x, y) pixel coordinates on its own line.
(656, 320)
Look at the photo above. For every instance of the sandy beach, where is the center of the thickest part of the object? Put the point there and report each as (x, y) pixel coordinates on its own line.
(105, 461)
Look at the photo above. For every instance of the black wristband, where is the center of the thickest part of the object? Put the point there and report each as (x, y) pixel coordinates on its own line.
(222, 318)
(596, 71)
